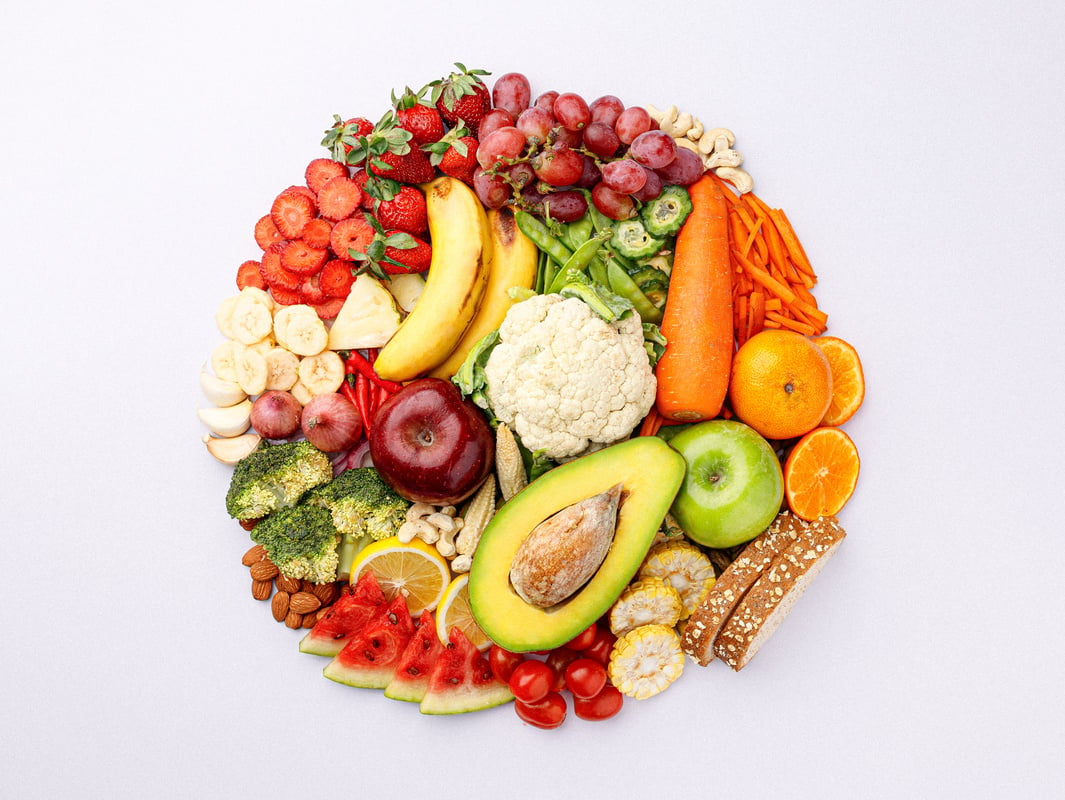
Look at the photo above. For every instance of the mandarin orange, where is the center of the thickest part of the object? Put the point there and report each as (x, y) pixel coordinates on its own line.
(781, 384)
(820, 473)
(848, 380)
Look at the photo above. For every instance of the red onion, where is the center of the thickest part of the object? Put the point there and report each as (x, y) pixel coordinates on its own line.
(276, 415)
(331, 423)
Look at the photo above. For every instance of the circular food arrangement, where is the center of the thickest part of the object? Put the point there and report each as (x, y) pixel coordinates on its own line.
(528, 400)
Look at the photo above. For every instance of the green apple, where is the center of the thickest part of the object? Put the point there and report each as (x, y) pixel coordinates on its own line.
(733, 487)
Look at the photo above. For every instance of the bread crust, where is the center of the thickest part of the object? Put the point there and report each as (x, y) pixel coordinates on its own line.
(732, 585)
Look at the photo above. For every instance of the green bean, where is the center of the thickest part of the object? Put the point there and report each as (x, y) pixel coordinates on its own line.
(576, 233)
(541, 237)
(622, 284)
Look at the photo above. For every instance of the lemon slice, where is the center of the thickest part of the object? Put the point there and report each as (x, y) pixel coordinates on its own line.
(414, 570)
(454, 611)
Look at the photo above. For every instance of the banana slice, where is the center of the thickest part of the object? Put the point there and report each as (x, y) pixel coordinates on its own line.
(250, 319)
(301, 393)
(251, 369)
(264, 345)
(224, 360)
(299, 328)
(224, 315)
(220, 392)
(282, 368)
(227, 422)
(322, 373)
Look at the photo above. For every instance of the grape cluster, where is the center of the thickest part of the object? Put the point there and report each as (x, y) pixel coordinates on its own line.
(549, 155)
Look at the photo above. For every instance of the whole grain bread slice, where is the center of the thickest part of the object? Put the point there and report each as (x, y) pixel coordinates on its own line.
(718, 603)
(775, 592)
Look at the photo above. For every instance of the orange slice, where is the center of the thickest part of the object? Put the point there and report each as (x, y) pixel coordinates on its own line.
(414, 570)
(454, 611)
(848, 380)
(820, 473)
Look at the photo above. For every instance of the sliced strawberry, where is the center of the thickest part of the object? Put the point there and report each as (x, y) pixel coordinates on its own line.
(405, 211)
(248, 275)
(414, 256)
(321, 170)
(336, 278)
(316, 232)
(311, 291)
(354, 233)
(328, 308)
(291, 211)
(266, 232)
(299, 188)
(301, 258)
(274, 273)
(285, 297)
(339, 198)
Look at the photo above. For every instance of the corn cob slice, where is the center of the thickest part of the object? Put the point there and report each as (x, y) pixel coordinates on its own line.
(645, 661)
(645, 602)
(685, 566)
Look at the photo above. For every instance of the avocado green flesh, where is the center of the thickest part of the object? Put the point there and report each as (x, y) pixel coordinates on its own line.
(651, 473)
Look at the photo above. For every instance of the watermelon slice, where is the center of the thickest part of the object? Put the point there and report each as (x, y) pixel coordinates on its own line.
(462, 680)
(370, 657)
(415, 666)
(347, 616)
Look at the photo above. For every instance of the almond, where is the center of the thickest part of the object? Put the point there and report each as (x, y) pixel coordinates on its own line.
(261, 590)
(248, 524)
(306, 586)
(304, 603)
(326, 593)
(254, 555)
(293, 620)
(265, 570)
(279, 606)
(287, 584)
(310, 619)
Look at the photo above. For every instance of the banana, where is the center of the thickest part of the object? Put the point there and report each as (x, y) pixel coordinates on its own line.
(220, 392)
(301, 393)
(251, 369)
(227, 422)
(246, 317)
(454, 284)
(322, 373)
(513, 264)
(224, 360)
(298, 328)
(281, 368)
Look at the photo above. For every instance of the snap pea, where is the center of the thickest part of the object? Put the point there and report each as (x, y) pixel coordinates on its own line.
(576, 233)
(578, 261)
(541, 237)
(622, 284)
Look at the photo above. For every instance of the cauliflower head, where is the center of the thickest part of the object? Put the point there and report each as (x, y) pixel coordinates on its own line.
(565, 380)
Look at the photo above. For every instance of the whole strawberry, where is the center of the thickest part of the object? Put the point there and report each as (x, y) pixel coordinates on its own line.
(410, 167)
(405, 253)
(404, 212)
(462, 95)
(455, 154)
(344, 136)
(423, 121)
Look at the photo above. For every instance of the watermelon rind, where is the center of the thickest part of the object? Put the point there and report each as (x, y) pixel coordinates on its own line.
(462, 680)
(351, 612)
(412, 674)
(386, 637)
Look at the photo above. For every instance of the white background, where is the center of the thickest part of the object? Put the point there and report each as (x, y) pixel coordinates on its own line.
(917, 149)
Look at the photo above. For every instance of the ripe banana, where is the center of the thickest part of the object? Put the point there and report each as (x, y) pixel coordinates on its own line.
(282, 368)
(298, 328)
(323, 373)
(454, 285)
(513, 264)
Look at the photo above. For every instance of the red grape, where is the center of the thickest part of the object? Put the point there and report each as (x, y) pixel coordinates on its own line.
(624, 176)
(606, 109)
(684, 170)
(500, 146)
(601, 139)
(536, 124)
(571, 111)
(651, 189)
(559, 165)
(567, 136)
(653, 149)
(590, 175)
(631, 123)
(546, 101)
(522, 174)
(512, 92)
(565, 206)
(492, 190)
(494, 120)
(612, 204)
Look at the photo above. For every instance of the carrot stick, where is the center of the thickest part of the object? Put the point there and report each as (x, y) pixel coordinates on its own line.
(693, 372)
(791, 241)
(651, 423)
(795, 325)
(767, 281)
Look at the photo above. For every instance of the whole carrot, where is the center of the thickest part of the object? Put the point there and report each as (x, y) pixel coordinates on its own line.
(693, 373)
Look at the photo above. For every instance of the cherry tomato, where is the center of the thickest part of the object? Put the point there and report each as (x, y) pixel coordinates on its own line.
(548, 713)
(531, 681)
(585, 678)
(583, 639)
(603, 706)
(503, 662)
(558, 660)
(601, 647)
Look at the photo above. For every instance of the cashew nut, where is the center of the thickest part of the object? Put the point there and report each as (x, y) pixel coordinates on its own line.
(726, 157)
(461, 563)
(739, 178)
(420, 529)
(445, 545)
(708, 141)
(419, 510)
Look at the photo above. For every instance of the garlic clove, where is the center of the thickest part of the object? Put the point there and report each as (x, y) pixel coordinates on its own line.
(218, 391)
(229, 421)
(233, 449)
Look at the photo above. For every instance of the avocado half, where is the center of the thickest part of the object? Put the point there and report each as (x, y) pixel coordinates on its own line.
(650, 472)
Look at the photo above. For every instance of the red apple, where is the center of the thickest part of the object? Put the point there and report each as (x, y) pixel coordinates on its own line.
(431, 445)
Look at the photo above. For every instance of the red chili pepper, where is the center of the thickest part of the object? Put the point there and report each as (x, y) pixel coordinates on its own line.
(362, 402)
(348, 391)
(359, 363)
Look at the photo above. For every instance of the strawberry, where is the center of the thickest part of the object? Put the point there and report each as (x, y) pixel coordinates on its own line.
(423, 122)
(354, 233)
(285, 297)
(461, 96)
(299, 257)
(266, 232)
(405, 253)
(455, 154)
(321, 170)
(336, 278)
(344, 137)
(316, 232)
(410, 167)
(274, 273)
(360, 177)
(248, 275)
(405, 211)
(339, 198)
(328, 308)
(311, 291)
(291, 210)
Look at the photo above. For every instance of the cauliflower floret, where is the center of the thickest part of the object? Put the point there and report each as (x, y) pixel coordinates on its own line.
(565, 380)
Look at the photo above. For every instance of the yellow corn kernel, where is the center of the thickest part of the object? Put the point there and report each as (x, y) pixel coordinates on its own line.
(685, 566)
(645, 661)
(646, 602)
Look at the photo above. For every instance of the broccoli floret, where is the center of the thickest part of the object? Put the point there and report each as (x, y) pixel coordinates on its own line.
(274, 477)
(301, 541)
(363, 507)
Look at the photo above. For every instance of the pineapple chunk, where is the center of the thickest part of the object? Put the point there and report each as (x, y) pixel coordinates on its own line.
(368, 318)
